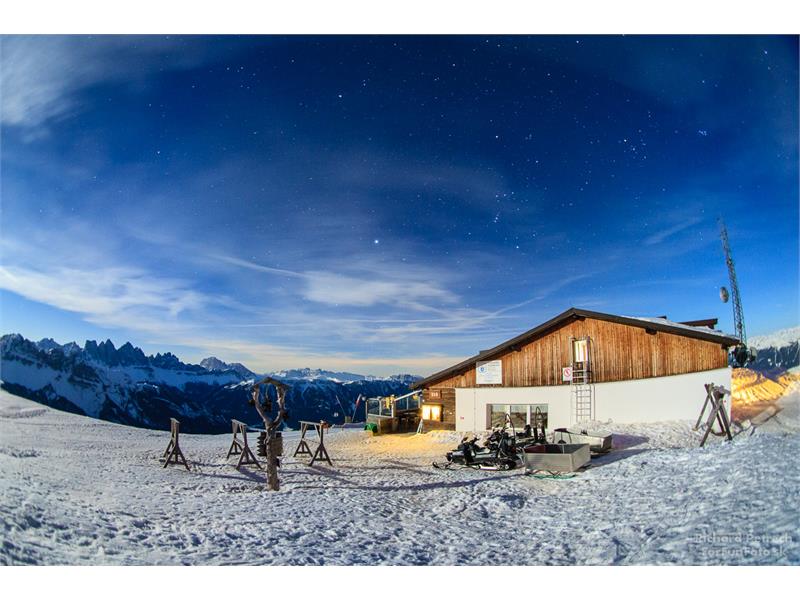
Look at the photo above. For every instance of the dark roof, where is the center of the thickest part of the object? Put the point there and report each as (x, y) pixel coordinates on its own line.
(654, 324)
(710, 323)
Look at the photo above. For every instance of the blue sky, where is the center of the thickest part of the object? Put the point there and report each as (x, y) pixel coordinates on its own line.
(387, 204)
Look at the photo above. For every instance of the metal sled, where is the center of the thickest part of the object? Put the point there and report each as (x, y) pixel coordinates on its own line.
(599, 443)
(556, 458)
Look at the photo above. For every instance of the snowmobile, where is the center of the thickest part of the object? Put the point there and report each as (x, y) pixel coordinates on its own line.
(532, 434)
(500, 452)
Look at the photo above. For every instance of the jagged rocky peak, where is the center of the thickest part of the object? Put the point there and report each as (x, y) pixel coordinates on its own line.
(129, 354)
(92, 348)
(16, 342)
(107, 353)
(212, 363)
(166, 361)
(10, 339)
(104, 352)
(48, 344)
(70, 348)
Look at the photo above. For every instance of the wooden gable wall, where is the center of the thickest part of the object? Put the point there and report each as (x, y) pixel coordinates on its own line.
(618, 352)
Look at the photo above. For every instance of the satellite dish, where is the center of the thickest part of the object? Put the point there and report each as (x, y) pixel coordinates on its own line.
(723, 294)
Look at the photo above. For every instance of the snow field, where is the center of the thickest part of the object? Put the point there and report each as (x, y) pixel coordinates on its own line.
(75, 490)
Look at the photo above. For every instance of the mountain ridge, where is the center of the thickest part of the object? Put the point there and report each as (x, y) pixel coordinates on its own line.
(128, 354)
(776, 352)
(776, 339)
(126, 386)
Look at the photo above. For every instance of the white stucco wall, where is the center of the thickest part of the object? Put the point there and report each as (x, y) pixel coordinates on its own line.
(635, 401)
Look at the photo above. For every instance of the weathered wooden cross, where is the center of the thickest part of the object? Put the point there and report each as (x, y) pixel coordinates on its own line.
(242, 448)
(173, 452)
(271, 424)
(715, 395)
(321, 453)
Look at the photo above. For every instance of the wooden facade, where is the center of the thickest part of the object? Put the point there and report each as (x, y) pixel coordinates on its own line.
(618, 352)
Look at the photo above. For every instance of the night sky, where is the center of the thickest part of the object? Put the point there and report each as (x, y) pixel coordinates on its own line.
(390, 204)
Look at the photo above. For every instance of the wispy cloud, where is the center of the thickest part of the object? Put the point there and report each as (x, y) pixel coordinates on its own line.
(336, 289)
(112, 297)
(660, 236)
(265, 357)
(340, 289)
(248, 264)
(41, 75)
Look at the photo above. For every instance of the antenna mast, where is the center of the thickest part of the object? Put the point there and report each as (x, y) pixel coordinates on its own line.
(738, 313)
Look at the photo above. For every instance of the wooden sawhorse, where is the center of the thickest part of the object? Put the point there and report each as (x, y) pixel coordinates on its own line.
(236, 444)
(240, 447)
(173, 452)
(715, 395)
(321, 453)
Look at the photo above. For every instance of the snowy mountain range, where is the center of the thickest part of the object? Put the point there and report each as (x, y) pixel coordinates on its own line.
(777, 339)
(126, 386)
(777, 351)
(340, 376)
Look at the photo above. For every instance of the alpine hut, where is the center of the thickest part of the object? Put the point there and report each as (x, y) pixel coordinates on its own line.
(581, 366)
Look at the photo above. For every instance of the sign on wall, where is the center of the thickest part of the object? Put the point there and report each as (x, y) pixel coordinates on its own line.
(566, 373)
(489, 372)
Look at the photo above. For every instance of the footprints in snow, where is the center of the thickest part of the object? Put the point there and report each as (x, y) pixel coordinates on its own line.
(15, 412)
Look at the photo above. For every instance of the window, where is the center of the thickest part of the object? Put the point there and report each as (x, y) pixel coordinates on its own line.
(533, 415)
(497, 415)
(580, 351)
(521, 414)
(431, 412)
(373, 406)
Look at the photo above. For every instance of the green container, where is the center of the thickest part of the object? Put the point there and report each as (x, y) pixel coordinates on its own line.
(373, 427)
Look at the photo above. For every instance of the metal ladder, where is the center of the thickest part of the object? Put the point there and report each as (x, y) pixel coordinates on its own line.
(582, 401)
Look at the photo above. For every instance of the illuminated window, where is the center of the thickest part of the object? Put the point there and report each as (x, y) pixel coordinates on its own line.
(431, 412)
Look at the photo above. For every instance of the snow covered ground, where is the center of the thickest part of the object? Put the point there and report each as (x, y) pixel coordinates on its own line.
(75, 490)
